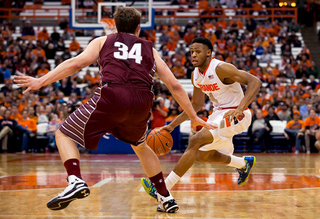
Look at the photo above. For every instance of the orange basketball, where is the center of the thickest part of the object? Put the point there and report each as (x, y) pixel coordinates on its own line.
(160, 141)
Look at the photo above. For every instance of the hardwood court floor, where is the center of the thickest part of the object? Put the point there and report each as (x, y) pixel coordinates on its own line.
(280, 186)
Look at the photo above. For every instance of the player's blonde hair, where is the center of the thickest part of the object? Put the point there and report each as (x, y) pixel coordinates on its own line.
(127, 19)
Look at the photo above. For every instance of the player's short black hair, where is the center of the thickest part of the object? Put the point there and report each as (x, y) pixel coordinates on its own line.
(204, 41)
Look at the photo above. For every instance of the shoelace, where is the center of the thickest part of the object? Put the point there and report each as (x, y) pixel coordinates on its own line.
(242, 170)
(60, 194)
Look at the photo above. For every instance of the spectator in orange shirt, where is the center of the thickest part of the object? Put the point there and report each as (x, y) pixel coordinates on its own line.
(294, 130)
(170, 32)
(312, 126)
(159, 113)
(87, 76)
(221, 44)
(6, 33)
(151, 36)
(43, 35)
(305, 60)
(293, 87)
(74, 45)
(15, 113)
(96, 79)
(39, 51)
(221, 22)
(174, 25)
(178, 71)
(238, 23)
(276, 27)
(262, 29)
(176, 37)
(211, 36)
(173, 114)
(231, 47)
(230, 57)
(32, 114)
(264, 97)
(208, 24)
(29, 130)
(171, 45)
(11, 51)
(188, 37)
(276, 71)
(294, 65)
(203, 4)
(256, 71)
(162, 26)
(42, 71)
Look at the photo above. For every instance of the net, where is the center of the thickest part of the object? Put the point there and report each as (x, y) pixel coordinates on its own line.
(109, 25)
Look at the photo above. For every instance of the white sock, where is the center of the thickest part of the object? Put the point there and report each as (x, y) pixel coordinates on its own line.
(171, 180)
(237, 162)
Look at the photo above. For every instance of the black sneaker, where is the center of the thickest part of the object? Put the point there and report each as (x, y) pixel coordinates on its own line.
(167, 204)
(77, 188)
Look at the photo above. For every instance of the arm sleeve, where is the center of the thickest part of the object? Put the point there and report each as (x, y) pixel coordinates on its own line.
(289, 124)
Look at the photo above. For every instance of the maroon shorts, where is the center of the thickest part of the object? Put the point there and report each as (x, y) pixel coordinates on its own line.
(121, 110)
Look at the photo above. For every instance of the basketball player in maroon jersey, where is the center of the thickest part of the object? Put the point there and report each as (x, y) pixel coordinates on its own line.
(120, 106)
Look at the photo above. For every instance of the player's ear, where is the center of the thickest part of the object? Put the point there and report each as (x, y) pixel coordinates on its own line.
(138, 30)
(209, 52)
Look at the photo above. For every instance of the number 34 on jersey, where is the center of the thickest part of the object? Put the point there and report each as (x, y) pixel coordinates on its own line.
(134, 53)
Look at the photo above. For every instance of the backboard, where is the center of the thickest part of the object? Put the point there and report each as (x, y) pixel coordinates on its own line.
(88, 14)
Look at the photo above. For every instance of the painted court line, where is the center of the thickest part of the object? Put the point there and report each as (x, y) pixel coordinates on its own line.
(273, 190)
(157, 215)
(101, 183)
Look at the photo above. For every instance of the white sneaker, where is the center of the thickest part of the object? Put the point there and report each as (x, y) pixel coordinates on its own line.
(77, 188)
(167, 204)
(308, 152)
(297, 152)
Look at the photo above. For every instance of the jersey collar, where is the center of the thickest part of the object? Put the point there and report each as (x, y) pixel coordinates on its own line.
(204, 73)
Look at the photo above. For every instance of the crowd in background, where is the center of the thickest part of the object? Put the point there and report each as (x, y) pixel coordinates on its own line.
(281, 98)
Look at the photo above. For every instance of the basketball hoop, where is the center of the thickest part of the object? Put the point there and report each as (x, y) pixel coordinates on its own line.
(109, 25)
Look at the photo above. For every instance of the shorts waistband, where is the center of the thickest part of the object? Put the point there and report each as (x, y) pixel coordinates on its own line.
(231, 107)
(137, 85)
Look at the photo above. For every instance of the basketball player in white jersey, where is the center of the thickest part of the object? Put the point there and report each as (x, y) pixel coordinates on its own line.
(221, 82)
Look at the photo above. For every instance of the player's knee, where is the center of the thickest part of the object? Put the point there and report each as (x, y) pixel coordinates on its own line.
(194, 143)
(317, 145)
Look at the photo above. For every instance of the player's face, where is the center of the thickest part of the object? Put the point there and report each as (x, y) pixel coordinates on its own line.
(199, 54)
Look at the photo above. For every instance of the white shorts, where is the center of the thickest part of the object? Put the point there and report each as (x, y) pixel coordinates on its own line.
(222, 136)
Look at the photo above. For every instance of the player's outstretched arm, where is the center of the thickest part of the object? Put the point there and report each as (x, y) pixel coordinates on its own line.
(227, 71)
(197, 104)
(65, 69)
(177, 91)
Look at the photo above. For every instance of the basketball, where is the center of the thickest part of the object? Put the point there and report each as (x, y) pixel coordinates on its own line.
(160, 141)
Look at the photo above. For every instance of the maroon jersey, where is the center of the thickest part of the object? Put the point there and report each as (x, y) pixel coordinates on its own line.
(125, 58)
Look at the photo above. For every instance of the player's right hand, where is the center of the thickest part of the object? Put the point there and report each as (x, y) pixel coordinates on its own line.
(168, 128)
(26, 81)
(197, 121)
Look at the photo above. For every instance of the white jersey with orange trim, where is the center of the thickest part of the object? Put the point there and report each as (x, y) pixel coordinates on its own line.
(224, 98)
(221, 95)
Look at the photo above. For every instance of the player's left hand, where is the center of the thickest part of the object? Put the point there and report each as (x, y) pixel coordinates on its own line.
(232, 113)
(197, 121)
(26, 81)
